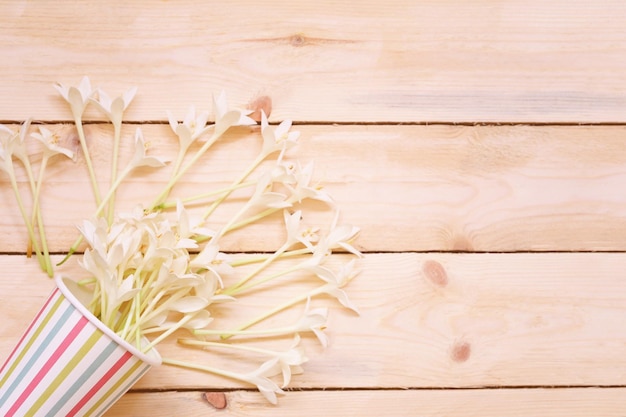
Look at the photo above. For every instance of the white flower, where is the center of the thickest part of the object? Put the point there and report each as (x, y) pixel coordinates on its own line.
(260, 378)
(8, 143)
(50, 142)
(208, 285)
(264, 197)
(118, 293)
(186, 230)
(192, 127)
(289, 362)
(277, 138)
(336, 281)
(294, 233)
(114, 109)
(188, 304)
(313, 320)
(140, 158)
(95, 233)
(13, 144)
(210, 258)
(226, 118)
(303, 188)
(341, 237)
(284, 173)
(78, 98)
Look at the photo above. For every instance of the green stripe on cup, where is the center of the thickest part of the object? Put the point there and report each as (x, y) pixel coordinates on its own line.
(71, 365)
(43, 345)
(32, 339)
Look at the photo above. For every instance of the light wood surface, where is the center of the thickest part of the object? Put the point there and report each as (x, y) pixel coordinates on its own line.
(521, 319)
(459, 188)
(480, 146)
(427, 403)
(404, 61)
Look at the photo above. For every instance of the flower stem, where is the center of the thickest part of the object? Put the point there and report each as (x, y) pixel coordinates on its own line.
(176, 176)
(172, 204)
(128, 318)
(204, 368)
(27, 222)
(180, 323)
(98, 211)
(38, 217)
(206, 343)
(234, 332)
(179, 159)
(235, 183)
(85, 149)
(276, 310)
(261, 258)
(239, 289)
(260, 268)
(117, 133)
(252, 219)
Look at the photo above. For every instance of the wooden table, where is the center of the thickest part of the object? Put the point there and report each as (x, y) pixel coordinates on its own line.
(480, 146)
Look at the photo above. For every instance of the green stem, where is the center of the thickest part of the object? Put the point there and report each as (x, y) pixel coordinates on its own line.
(179, 159)
(260, 268)
(98, 211)
(261, 258)
(172, 204)
(148, 313)
(238, 181)
(206, 343)
(252, 219)
(234, 291)
(117, 133)
(27, 223)
(234, 332)
(124, 313)
(168, 332)
(38, 217)
(204, 368)
(276, 310)
(103, 303)
(85, 149)
(44, 245)
(147, 290)
(222, 231)
(175, 177)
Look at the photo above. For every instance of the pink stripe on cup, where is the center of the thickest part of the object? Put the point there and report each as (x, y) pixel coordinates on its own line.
(32, 323)
(82, 322)
(105, 378)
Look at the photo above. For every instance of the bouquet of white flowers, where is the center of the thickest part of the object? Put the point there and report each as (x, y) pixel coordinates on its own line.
(158, 269)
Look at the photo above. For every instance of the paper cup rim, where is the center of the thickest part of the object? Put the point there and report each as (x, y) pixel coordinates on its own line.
(153, 358)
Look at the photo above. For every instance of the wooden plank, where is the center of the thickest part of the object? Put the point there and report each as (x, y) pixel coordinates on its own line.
(427, 320)
(454, 61)
(409, 188)
(424, 403)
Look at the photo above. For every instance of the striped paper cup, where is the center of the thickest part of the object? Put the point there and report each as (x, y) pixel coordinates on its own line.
(68, 363)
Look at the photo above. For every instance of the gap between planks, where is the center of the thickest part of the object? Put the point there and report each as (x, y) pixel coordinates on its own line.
(348, 123)
(425, 403)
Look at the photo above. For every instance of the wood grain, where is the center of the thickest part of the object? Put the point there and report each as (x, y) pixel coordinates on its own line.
(427, 320)
(409, 188)
(397, 61)
(424, 403)
(493, 282)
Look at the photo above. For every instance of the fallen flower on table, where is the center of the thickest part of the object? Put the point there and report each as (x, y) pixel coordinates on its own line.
(159, 269)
